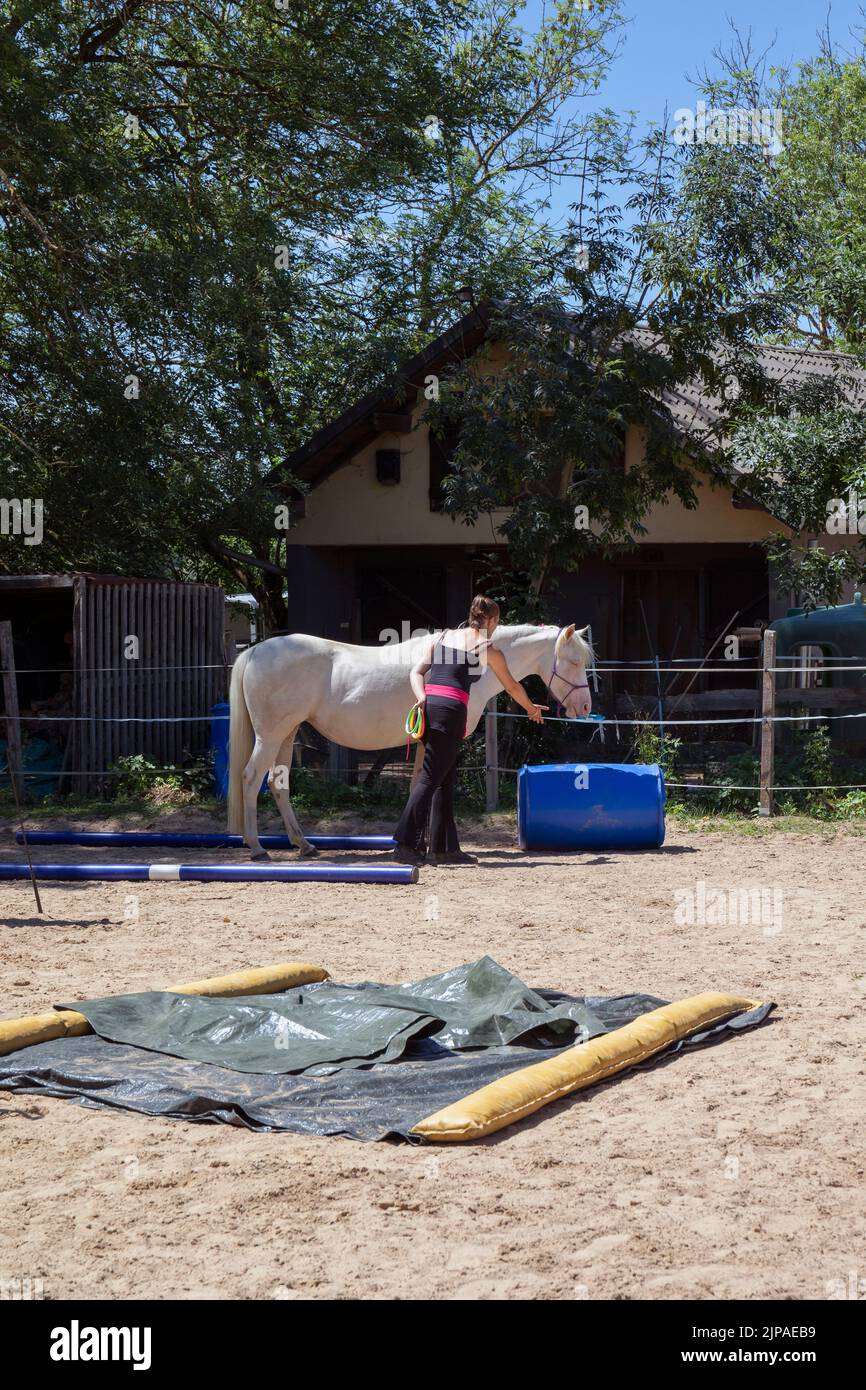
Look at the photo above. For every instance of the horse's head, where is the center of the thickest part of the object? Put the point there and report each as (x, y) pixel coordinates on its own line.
(566, 677)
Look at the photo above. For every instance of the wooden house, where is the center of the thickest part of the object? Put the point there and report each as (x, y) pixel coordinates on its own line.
(371, 548)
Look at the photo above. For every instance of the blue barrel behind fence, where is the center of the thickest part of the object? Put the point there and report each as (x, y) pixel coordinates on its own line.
(591, 806)
(219, 743)
(219, 746)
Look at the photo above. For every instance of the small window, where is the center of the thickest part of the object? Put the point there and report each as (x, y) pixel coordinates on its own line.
(388, 467)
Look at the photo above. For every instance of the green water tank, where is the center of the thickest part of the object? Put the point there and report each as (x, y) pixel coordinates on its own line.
(839, 632)
(839, 635)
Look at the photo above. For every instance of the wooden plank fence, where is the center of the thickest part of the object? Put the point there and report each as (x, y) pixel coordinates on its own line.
(178, 673)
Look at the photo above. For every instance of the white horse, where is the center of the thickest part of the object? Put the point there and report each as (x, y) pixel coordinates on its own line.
(359, 697)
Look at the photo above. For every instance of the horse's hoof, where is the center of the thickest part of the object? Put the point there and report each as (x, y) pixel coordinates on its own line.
(262, 854)
(307, 852)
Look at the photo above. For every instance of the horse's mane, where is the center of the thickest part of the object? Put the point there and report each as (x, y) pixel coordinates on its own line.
(575, 647)
(585, 652)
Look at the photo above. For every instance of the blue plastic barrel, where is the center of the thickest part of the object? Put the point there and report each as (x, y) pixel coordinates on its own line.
(219, 745)
(591, 806)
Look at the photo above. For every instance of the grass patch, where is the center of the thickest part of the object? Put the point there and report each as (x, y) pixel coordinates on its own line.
(51, 808)
(737, 822)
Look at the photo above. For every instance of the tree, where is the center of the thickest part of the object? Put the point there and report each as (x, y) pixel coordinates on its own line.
(199, 206)
(822, 171)
(674, 290)
(803, 446)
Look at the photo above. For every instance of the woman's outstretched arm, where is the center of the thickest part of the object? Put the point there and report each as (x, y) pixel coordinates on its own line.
(499, 666)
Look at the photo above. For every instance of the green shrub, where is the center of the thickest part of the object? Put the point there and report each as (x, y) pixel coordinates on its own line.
(137, 778)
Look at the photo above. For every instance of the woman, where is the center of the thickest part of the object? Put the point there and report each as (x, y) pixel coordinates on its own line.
(441, 682)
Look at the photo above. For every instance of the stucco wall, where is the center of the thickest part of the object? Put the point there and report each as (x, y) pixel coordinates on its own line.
(352, 508)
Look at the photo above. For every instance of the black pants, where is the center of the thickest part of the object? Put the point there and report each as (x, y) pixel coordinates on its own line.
(433, 797)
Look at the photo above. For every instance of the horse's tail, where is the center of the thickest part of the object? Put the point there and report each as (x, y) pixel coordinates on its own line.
(240, 743)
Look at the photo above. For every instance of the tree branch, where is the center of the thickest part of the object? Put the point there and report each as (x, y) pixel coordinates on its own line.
(95, 37)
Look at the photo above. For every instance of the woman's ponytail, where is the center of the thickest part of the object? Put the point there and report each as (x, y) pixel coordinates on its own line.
(481, 610)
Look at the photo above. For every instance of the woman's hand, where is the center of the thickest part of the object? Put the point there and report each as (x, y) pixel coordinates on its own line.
(536, 712)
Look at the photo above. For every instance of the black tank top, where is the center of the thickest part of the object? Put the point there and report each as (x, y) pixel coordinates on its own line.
(454, 666)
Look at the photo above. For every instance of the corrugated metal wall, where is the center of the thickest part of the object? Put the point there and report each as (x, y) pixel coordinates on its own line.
(179, 671)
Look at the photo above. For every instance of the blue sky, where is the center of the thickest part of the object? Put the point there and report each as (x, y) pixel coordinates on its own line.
(667, 41)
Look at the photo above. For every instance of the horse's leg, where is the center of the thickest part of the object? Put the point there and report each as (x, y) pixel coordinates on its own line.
(262, 757)
(278, 784)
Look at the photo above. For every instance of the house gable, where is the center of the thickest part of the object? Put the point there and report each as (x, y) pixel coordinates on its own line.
(350, 502)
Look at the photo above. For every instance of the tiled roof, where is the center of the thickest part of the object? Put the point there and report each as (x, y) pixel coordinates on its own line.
(699, 416)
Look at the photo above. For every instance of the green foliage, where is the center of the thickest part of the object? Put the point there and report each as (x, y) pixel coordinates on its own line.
(853, 803)
(804, 458)
(154, 162)
(800, 444)
(649, 746)
(817, 576)
(811, 762)
(818, 756)
(631, 306)
(142, 779)
(822, 172)
(314, 795)
(136, 778)
(221, 224)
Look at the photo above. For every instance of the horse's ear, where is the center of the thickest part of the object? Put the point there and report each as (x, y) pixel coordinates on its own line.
(581, 632)
(568, 633)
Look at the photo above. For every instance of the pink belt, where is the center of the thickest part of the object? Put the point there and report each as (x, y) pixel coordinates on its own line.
(451, 692)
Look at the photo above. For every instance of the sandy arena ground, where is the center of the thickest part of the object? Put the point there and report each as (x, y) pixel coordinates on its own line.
(736, 1171)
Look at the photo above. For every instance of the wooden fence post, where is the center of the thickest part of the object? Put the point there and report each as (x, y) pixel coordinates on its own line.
(593, 672)
(14, 749)
(14, 754)
(342, 764)
(491, 755)
(768, 727)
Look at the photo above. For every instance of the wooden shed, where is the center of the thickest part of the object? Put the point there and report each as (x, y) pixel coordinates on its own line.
(93, 650)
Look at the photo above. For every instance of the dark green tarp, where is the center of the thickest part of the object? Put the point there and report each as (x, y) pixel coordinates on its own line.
(323, 1027)
(367, 1061)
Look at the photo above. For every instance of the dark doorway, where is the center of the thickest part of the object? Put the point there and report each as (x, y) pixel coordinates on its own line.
(661, 612)
(400, 598)
(682, 613)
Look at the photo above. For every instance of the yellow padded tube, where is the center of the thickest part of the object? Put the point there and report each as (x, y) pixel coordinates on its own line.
(522, 1092)
(16, 1033)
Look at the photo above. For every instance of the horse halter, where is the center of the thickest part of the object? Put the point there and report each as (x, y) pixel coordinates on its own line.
(584, 685)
